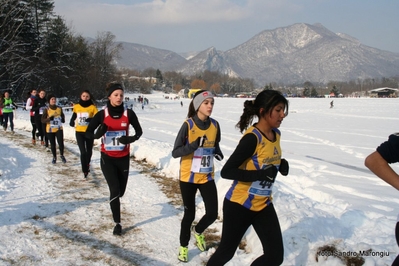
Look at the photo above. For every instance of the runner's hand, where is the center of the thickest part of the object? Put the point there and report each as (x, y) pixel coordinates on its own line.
(284, 167)
(270, 173)
(101, 130)
(126, 140)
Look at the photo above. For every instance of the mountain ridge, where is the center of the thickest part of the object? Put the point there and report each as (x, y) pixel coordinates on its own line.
(293, 54)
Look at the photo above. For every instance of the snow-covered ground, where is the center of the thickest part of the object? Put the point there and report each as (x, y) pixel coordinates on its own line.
(50, 215)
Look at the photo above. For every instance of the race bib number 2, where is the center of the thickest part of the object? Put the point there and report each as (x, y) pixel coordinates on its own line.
(111, 140)
(82, 119)
(203, 160)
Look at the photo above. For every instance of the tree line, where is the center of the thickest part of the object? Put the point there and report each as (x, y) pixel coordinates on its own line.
(38, 50)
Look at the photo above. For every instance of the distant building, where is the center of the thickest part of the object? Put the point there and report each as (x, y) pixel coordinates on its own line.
(384, 93)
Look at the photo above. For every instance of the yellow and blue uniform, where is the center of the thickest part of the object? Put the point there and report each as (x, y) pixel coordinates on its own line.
(197, 171)
(197, 167)
(256, 195)
(56, 124)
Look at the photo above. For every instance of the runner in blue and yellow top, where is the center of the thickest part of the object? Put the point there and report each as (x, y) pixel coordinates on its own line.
(113, 127)
(83, 112)
(53, 117)
(253, 168)
(197, 143)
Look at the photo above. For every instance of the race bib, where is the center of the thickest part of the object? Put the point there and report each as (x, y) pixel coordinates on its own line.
(81, 117)
(111, 140)
(203, 160)
(56, 123)
(261, 188)
(41, 109)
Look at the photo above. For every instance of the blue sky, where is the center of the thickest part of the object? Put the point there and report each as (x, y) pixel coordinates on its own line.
(195, 25)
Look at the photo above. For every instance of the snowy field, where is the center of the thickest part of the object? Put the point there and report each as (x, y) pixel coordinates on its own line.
(50, 215)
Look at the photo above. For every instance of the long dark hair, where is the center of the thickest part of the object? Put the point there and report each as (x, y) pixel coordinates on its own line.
(266, 99)
(191, 110)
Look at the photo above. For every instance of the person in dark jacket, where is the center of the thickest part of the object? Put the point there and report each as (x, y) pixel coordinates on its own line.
(378, 162)
(112, 124)
(39, 105)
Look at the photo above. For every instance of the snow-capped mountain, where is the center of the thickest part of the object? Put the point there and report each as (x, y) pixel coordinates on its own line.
(293, 54)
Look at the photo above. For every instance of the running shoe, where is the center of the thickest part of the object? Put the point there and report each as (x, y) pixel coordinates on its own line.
(86, 174)
(33, 141)
(200, 238)
(63, 159)
(118, 230)
(183, 254)
(54, 160)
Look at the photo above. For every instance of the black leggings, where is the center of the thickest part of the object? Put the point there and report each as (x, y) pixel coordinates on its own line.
(41, 128)
(8, 116)
(209, 195)
(86, 150)
(236, 220)
(116, 172)
(33, 122)
(59, 135)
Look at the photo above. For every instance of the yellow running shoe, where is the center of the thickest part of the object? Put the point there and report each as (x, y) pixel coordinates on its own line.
(183, 254)
(200, 238)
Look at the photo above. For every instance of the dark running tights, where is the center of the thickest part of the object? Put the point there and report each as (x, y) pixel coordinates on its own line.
(116, 172)
(236, 220)
(33, 122)
(59, 135)
(86, 150)
(209, 195)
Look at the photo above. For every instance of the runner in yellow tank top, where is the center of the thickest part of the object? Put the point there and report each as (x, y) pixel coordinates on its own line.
(253, 168)
(197, 144)
(82, 114)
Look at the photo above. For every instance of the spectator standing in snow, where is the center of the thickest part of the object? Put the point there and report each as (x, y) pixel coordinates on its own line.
(253, 168)
(83, 112)
(378, 162)
(53, 117)
(197, 143)
(112, 124)
(28, 107)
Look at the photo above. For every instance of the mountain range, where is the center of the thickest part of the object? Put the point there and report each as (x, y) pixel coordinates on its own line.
(287, 55)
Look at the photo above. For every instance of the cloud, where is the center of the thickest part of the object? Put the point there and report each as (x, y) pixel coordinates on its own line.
(185, 25)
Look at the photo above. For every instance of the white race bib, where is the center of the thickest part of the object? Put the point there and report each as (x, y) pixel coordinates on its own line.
(261, 188)
(82, 119)
(111, 140)
(203, 160)
(55, 123)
